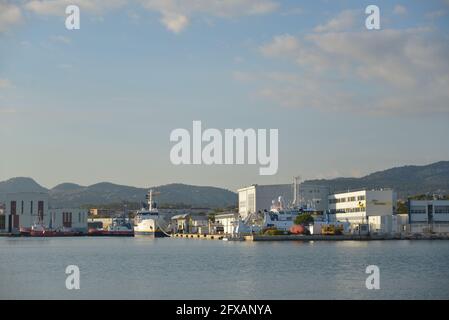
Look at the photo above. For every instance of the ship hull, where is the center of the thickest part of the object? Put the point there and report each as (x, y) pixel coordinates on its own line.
(155, 234)
(107, 233)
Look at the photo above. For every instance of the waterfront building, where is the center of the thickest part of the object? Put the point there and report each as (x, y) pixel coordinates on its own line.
(257, 198)
(224, 223)
(71, 218)
(99, 212)
(372, 207)
(428, 216)
(189, 223)
(23, 210)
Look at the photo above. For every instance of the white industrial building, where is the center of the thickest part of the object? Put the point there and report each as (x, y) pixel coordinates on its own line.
(188, 223)
(72, 218)
(429, 216)
(24, 209)
(259, 197)
(375, 208)
(225, 223)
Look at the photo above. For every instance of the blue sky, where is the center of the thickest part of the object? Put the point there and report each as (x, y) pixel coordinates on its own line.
(99, 103)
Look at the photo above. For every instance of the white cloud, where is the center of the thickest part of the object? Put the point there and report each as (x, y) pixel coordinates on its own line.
(384, 72)
(61, 39)
(57, 7)
(176, 14)
(282, 45)
(399, 9)
(10, 15)
(343, 21)
(175, 22)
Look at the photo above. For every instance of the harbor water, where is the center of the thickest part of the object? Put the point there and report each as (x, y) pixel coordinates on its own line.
(166, 268)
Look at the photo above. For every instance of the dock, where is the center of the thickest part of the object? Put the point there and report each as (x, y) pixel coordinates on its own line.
(198, 236)
(315, 237)
(343, 237)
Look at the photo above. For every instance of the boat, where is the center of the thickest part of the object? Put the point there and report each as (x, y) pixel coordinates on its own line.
(147, 221)
(25, 231)
(66, 232)
(119, 227)
(39, 230)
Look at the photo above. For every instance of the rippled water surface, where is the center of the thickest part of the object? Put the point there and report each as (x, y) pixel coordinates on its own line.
(144, 268)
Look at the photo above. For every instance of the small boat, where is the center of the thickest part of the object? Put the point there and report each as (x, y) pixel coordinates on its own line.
(120, 227)
(94, 232)
(39, 230)
(67, 232)
(25, 231)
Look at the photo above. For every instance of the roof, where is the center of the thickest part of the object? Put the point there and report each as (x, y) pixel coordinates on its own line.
(186, 215)
(180, 216)
(223, 215)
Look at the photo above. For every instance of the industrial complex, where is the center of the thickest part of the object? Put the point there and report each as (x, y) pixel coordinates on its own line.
(261, 208)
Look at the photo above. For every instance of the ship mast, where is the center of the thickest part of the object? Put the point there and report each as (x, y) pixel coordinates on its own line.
(150, 200)
(295, 190)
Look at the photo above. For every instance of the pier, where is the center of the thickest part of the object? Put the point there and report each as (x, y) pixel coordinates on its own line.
(316, 237)
(198, 236)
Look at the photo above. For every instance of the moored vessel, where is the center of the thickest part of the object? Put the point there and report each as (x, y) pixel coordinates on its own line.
(147, 221)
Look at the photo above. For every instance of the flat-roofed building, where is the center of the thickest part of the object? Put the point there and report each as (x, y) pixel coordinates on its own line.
(428, 216)
(23, 209)
(372, 207)
(71, 218)
(259, 197)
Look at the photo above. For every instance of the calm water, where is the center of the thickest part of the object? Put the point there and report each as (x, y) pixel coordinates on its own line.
(143, 268)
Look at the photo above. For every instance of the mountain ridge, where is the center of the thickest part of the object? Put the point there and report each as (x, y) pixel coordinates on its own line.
(406, 180)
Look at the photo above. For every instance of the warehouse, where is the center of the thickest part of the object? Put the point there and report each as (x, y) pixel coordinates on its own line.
(70, 218)
(22, 210)
(429, 216)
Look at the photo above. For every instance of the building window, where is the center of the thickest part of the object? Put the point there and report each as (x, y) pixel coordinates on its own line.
(418, 210)
(2, 222)
(31, 207)
(251, 203)
(21, 211)
(441, 209)
(13, 207)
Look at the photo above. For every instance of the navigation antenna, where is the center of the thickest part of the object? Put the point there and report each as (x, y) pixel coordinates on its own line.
(296, 181)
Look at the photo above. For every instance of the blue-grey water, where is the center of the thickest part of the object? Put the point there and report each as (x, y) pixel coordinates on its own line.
(145, 268)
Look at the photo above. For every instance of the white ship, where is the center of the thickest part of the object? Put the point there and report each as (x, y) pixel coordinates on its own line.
(148, 221)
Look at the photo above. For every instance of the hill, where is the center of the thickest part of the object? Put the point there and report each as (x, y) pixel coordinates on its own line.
(73, 195)
(406, 180)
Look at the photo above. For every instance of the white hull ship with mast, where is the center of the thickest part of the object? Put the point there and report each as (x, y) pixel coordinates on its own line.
(147, 221)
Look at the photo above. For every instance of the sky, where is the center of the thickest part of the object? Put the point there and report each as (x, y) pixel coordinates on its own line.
(99, 103)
